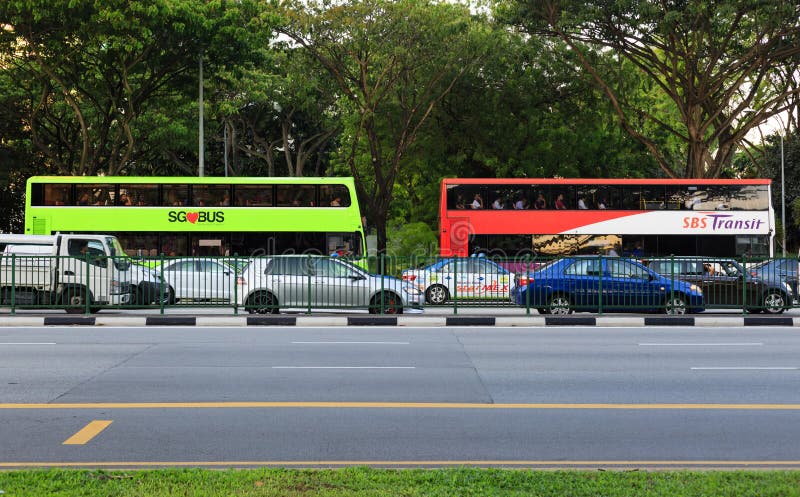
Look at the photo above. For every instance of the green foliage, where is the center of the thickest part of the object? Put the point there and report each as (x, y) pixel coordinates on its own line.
(361, 481)
(711, 61)
(391, 61)
(412, 239)
(90, 70)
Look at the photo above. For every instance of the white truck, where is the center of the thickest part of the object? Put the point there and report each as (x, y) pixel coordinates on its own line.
(74, 272)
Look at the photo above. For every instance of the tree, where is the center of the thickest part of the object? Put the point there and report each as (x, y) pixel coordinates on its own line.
(281, 114)
(92, 69)
(714, 60)
(392, 62)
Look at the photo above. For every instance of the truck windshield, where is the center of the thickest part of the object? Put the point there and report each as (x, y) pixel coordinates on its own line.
(118, 255)
(115, 247)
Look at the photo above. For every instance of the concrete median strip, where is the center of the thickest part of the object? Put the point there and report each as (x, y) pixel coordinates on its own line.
(421, 321)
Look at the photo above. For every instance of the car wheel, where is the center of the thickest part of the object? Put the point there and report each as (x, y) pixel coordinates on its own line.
(437, 294)
(559, 304)
(171, 298)
(675, 305)
(774, 302)
(388, 301)
(141, 296)
(262, 303)
(74, 300)
(135, 297)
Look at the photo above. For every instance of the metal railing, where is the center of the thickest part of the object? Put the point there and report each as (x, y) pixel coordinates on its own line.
(388, 285)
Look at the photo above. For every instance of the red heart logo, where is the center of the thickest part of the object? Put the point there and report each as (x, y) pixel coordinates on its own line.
(192, 217)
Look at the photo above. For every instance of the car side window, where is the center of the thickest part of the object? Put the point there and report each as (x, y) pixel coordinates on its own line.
(585, 267)
(625, 269)
(291, 266)
(182, 267)
(450, 267)
(330, 268)
(210, 267)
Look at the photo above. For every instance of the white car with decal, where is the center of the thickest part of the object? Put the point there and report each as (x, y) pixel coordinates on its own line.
(474, 278)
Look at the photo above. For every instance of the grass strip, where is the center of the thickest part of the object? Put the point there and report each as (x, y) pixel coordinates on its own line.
(363, 481)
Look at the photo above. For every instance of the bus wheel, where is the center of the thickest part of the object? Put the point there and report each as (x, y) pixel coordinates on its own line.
(437, 294)
(774, 302)
(388, 301)
(675, 305)
(559, 304)
(262, 303)
(74, 299)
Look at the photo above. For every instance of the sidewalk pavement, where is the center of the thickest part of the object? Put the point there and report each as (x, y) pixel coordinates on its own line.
(418, 320)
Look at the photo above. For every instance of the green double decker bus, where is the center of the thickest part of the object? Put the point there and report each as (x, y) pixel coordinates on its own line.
(180, 216)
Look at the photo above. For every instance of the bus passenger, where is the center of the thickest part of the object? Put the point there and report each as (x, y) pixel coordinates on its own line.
(477, 203)
(602, 204)
(497, 204)
(520, 204)
(582, 202)
(560, 205)
(540, 202)
(460, 204)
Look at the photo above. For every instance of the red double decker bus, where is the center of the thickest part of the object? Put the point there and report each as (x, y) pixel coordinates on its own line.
(559, 216)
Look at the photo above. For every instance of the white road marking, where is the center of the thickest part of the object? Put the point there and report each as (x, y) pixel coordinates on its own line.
(354, 343)
(343, 367)
(746, 368)
(733, 344)
(27, 343)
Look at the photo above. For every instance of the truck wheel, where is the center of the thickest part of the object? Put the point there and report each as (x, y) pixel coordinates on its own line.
(74, 300)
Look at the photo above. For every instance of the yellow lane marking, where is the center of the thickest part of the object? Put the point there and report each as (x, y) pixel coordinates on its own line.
(391, 405)
(623, 463)
(87, 433)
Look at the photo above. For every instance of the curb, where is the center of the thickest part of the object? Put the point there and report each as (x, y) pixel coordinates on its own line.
(279, 320)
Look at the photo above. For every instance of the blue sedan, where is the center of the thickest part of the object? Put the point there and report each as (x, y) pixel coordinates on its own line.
(613, 284)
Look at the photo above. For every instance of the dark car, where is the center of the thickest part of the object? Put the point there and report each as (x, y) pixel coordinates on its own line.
(778, 269)
(726, 284)
(592, 283)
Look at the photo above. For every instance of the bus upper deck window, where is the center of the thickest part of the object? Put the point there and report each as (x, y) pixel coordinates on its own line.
(334, 196)
(53, 195)
(176, 195)
(253, 196)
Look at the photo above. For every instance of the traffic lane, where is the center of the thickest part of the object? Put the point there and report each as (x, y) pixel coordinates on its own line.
(397, 364)
(239, 364)
(674, 364)
(329, 436)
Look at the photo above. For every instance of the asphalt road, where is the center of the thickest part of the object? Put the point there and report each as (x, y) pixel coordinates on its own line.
(527, 397)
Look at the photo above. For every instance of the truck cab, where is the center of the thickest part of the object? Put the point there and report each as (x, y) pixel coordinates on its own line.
(76, 272)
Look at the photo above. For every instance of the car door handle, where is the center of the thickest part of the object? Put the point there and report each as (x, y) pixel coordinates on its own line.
(69, 273)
